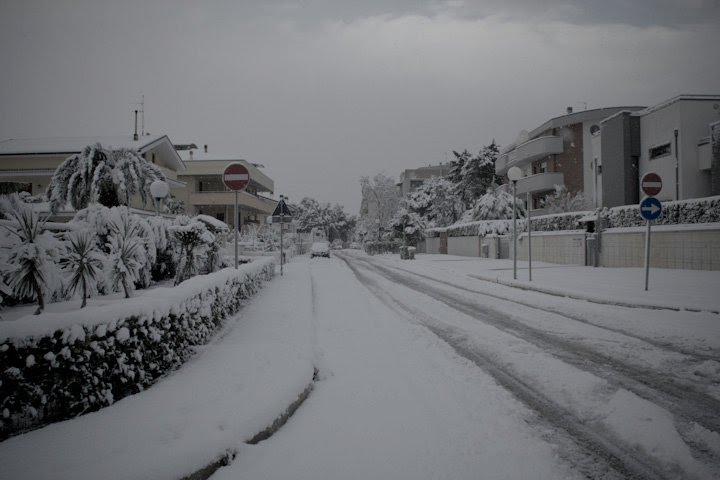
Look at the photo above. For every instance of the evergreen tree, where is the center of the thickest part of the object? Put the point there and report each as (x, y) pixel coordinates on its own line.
(436, 202)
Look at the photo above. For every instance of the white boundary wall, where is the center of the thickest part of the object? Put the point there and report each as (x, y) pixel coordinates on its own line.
(690, 246)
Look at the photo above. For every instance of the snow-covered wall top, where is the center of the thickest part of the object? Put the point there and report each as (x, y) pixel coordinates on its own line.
(162, 302)
(693, 211)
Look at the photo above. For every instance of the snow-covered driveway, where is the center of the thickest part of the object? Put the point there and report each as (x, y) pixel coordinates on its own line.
(431, 377)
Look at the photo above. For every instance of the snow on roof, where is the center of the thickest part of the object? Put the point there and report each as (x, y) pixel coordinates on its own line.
(199, 155)
(25, 146)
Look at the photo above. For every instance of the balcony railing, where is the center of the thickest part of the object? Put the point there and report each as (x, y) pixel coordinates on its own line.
(526, 152)
(245, 200)
(541, 182)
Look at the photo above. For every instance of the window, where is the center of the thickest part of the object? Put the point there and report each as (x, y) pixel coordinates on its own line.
(7, 188)
(659, 151)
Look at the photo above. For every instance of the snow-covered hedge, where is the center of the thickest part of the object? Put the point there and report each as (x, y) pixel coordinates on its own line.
(56, 366)
(703, 210)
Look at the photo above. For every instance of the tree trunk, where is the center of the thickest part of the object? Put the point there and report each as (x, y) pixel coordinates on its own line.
(40, 299)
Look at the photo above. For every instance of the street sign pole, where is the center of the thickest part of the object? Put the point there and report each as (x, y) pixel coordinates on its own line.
(529, 227)
(647, 255)
(236, 177)
(236, 229)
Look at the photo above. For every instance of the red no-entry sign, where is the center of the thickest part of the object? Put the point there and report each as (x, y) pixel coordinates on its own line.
(651, 184)
(236, 176)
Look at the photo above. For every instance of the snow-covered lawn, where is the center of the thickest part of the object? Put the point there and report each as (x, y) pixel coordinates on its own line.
(416, 362)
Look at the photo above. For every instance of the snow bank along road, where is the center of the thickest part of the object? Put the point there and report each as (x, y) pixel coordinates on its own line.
(618, 401)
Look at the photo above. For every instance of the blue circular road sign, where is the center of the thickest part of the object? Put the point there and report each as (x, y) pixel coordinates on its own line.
(650, 208)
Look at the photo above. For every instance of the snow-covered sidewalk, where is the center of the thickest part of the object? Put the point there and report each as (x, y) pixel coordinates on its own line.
(668, 288)
(225, 395)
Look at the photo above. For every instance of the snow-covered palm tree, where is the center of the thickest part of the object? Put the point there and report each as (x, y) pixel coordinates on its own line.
(99, 175)
(28, 251)
(83, 263)
(127, 254)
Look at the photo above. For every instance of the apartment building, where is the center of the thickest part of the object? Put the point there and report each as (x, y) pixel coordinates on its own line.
(411, 179)
(205, 192)
(27, 165)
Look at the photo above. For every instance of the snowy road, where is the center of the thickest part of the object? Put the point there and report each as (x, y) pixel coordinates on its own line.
(431, 374)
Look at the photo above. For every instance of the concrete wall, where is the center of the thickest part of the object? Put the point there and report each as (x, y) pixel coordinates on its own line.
(464, 246)
(670, 247)
(554, 247)
(432, 245)
(694, 247)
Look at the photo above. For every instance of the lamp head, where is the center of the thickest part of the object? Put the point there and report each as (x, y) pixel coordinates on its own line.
(514, 174)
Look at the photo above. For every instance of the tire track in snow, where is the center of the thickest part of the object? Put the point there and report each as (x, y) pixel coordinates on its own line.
(683, 400)
(698, 356)
(686, 404)
(591, 454)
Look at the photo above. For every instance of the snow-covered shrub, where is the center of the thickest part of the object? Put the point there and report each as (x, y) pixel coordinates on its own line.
(127, 254)
(377, 248)
(57, 373)
(407, 227)
(495, 204)
(82, 262)
(29, 254)
(193, 241)
(562, 201)
(701, 210)
(164, 266)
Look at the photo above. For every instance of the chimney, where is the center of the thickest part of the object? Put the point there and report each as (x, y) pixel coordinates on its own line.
(191, 154)
(135, 135)
(569, 110)
(205, 148)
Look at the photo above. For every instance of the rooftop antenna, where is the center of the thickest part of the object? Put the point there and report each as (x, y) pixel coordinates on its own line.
(142, 113)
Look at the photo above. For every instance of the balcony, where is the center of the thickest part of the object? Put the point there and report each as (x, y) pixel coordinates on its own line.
(526, 152)
(246, 201)
(541, 182)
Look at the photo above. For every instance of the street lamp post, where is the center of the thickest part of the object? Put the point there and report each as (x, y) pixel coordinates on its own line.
(514, 174)
(159, 189)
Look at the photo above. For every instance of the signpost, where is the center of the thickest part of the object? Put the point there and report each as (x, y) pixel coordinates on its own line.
(236, 177)
(650, 209)
(281, 215)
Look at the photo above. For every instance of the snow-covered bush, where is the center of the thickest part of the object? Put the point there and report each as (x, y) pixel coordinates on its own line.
(701, 210)
(193, 241)
(562, 201)
(60, 366)
(495, 204)
(407, 227)
(127, 253)
(82, 262)
(28, 254)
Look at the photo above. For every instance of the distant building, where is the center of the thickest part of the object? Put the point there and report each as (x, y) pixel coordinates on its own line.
(206, 193)
(27, 165)
(411, 179)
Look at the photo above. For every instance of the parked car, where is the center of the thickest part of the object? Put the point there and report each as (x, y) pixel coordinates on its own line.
(320, 249)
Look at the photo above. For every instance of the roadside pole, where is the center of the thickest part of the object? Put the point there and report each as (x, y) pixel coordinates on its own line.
(236, 229)
(529, 228)
(282, 227)
(236, 177)
(650, 209)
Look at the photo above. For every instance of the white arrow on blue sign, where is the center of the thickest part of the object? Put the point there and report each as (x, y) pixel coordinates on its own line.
(650, 208)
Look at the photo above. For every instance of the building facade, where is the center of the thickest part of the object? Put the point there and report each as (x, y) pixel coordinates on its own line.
(205, 193)
(411, 179)
(27, 165)
(558, 152)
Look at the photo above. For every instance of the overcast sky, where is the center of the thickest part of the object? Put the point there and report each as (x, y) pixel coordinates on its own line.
(324, 91)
